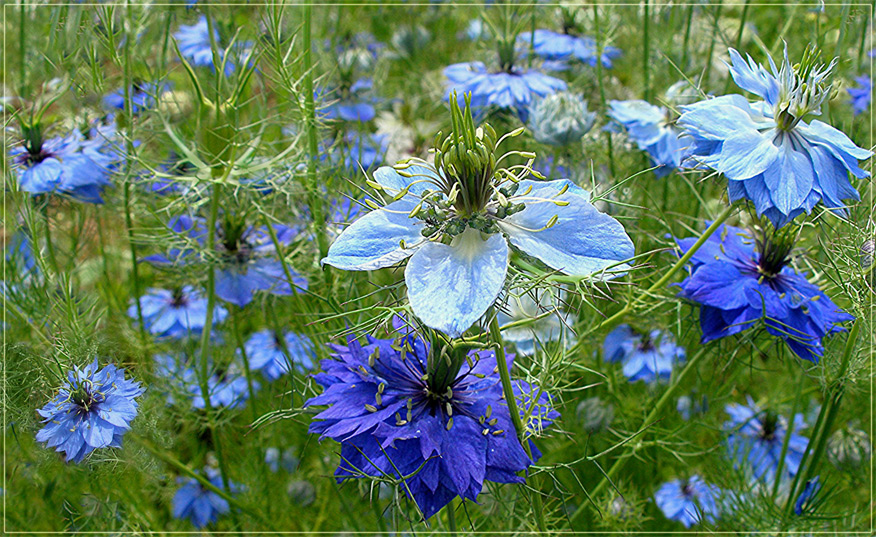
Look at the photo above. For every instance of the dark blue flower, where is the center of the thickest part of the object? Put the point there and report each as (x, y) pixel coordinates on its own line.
(555, 46)
(248, 258)
(274, 356)
(807, 497)
(179, 313)
(767, 153)
(445, 435)
(739, 280)
(143, 96)
(688, 501)
(516, 90)
(645, 357)
(194, 45)
(72, 166)
(199, 504)
(653, 131)
(93, 409)
(755, 439)
(861, 96)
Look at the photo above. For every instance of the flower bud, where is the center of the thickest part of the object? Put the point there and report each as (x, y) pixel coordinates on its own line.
(595, 414)
(561, 119)
(302, 492)
(849, 449)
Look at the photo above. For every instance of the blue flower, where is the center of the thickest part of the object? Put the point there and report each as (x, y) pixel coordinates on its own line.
(179, 313)
(352, 104)
(70, 165)
(739, 280)
(199, 504)
(445, 435)
(861, 96)
(143, 96)
(21, 263)
(768, 154)
(194, 45)
(563, 47)
(93, 409)
(755, 439)
(807, 497)
(647, 357)
(450, 286)
(226, 388)
(358, 149)
(248, 258)
(515, 90)
(274, 356)
(688, 501)
(552, 324)
(653, 131)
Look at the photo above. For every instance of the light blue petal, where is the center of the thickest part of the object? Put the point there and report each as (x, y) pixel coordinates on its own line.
(746, 155)
(451, 287)
(374, 241)
(752, 77)
(582, 241)
(393, 182)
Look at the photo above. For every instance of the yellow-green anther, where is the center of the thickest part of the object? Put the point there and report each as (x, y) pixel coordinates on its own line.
(370, 408)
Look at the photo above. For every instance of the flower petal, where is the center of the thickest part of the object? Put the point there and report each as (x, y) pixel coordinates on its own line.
(374, 241)
(582, 241)
(450, 287)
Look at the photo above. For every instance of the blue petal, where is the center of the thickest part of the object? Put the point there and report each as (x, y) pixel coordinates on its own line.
(582, 241)
(393, 182)
(450, 287)
(374, 241)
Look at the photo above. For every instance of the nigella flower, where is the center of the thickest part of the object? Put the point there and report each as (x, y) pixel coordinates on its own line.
(68, 165)
(176, 313)
(654, 129)
(740, 279)
(444, 433)
(92, 410)
(860, 97)
(455, 221)
(227, 389)
(143, 96)
(359, 149)
(551, 323)
(199, 504)
(688, 501)
(755, 439)
(647, 357)
(769, 155)
(194, 45)
(274, 354)
(807, 498)
(349, 104)
(248, 257)
(514, 89)
(561, 119)
(555, 46)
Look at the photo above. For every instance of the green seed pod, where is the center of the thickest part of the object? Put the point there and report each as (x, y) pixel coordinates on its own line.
(595, 414)
(849, 449)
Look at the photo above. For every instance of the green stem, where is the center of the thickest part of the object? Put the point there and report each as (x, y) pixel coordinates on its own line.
(511, 400)
(451, 518)
(50, 246)
(646, 52)
(652, 417)
(684, 48)
(617, 317)
(824, 424)
(788, 432)
(238, 337)
(609, 147)
(715, 31)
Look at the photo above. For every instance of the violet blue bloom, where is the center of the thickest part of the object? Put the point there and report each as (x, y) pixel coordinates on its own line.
(687, 501)
(646, 357)
(274, 356)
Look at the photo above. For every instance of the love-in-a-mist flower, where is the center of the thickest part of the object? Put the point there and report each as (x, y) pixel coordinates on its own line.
(565, 47)
(688, 500)
(808, 498)
(195, 46)
(740, 278)
(143, 96)
(199, 504)
(861, 96)
(248, 257)
(176, 313)
(93, 409)
(348, 103)
(275, 354)
(654, 129)
(561, 119)
(544, 318)
(426, 413)
(755, 441)
(768, 154)
(70, 165)
(647, 357)
(455, 220)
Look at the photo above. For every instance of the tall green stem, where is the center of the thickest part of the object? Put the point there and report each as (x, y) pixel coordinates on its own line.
(511, 400)
(646, 52)
(599, 48)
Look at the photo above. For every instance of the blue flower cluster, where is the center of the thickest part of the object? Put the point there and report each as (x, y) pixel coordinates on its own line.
(391, 421)
(647, 357)
(179, 313)
(93, 409)
(739, 280)
(562, 47)
(275, 354)
(227, 388)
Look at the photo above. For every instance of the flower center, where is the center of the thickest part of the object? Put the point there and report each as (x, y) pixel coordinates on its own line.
(774, 250)
(802, 88)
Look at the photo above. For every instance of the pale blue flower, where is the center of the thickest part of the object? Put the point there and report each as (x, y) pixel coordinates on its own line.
(687, 501)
